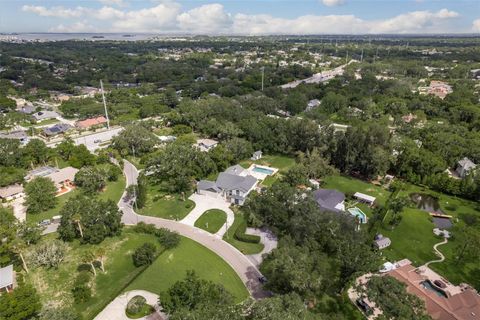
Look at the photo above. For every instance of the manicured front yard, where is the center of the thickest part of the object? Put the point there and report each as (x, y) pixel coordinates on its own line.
(244, 247)
(211, 220)
(162, 205)
(172, 266)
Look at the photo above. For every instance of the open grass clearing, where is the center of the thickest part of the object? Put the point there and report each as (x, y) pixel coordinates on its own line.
(211, 220)
(349, 186)
(167, 206)
(173, 264)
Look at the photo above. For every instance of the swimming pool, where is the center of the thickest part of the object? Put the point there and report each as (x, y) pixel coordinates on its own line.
(263, 170)
(428, 285)
(356, 212)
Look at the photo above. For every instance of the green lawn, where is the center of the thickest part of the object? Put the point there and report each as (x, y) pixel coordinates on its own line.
(54, 285)
(113, 191)
(349, 185)
(166, 206)
(172, 265)
(61, 200)
(282, 163)
(413, 238)
(211, 220)
(244, 247)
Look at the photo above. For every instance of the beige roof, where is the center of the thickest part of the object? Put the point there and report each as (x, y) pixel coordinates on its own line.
(10, 190)
(63, 175)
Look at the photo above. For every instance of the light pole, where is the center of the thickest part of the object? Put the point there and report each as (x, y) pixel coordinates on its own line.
(263, 76)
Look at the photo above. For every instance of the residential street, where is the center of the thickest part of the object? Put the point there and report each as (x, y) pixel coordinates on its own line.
(245, 269)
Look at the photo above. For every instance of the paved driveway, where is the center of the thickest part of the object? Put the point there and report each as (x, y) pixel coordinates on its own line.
(244, 268)
(204, 203)
(115, 310)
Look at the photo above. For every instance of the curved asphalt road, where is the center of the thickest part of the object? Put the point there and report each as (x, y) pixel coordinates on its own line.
(245, 269)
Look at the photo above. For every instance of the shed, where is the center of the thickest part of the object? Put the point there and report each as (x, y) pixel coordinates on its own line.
(382, 242)
(256, 155)
(365, 198)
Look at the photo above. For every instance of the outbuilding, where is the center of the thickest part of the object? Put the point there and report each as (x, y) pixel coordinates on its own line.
(7, 278)
(364, 198)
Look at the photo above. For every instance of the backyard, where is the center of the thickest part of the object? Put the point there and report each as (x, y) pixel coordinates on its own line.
(163, 205)
(211, 220)
(282, 163)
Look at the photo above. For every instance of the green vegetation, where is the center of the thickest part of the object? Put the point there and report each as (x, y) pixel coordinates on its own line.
(54, 285)
(349, 186)
(232, 238)
(211, 220)
(145, 310)
(172, 265)
(163, 205)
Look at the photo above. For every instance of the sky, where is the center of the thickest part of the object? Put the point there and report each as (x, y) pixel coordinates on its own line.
(242, 17)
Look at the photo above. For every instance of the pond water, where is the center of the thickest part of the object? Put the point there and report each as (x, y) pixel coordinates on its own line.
(426, 202)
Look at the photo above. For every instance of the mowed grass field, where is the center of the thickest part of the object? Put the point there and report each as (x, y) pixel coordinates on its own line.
(166, 206)
(211, 220)
(173, 264)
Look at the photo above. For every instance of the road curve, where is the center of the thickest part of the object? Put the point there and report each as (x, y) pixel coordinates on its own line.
(245, 269)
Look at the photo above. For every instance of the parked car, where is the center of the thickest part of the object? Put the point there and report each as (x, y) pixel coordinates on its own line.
(97, 141)
(45, 222)
(364, 306)
(262, 279)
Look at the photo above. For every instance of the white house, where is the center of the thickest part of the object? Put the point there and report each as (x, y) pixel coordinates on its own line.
(234, 185)
(257, 155)
(464, 166)
(381, 242)
(206, 145)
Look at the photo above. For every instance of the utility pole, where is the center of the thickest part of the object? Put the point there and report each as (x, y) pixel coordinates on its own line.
(361, 56)
(263, 76)
(105, 105)
(346, 57)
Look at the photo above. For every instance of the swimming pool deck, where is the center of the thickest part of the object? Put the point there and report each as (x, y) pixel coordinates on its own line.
(260, 175)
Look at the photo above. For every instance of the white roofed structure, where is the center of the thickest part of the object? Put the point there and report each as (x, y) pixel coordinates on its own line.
(365, 198)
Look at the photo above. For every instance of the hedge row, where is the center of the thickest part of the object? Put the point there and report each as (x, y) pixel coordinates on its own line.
(240, 234)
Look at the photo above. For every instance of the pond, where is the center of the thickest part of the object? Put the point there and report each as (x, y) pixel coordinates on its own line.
(426, 202)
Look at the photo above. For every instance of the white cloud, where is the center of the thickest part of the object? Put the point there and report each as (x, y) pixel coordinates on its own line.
(59, 12)
(73, 28)
(166, 16)
(476, 25)
(210, 18)
(160, 18)
(333, 3)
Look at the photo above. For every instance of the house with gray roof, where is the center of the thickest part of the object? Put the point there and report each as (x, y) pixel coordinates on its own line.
(330, 200)
(17, 135)
(234, 184)
(464, 166)
(56, 129)
(44, 115)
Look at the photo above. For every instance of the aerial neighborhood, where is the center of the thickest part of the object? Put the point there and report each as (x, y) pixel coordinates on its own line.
(238, 177)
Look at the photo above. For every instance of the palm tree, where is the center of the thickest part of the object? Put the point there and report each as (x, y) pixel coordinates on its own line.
(18, 247)
(100, 254)
(77, 218)
(88, 257)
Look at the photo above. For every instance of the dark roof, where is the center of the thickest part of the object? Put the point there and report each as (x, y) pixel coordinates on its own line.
(207, 185)
(228, 181)
(56, 129)
(327, 199)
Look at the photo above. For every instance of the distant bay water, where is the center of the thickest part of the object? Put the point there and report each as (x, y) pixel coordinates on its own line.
(79, 36)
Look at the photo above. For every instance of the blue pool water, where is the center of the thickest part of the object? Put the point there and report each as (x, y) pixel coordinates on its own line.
(263, 170)
(427, 285)
(358, 213)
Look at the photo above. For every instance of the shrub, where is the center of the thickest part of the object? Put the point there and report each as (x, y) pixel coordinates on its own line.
(48, 254)
(167, 238)
(136, 304)
(240, 234)
(144, 255)
(113, 173)
(81, 287)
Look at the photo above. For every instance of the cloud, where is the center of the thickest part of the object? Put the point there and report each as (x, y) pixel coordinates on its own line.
(59, 12)
(476, 25)
(167, 17)
(333, 3)
(210, 18)
(160, 18)
(73, 28)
